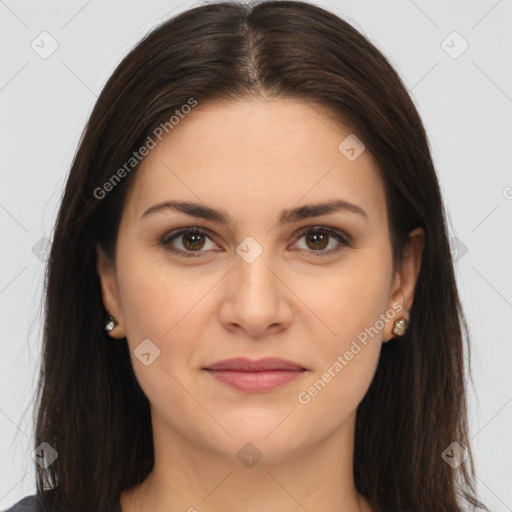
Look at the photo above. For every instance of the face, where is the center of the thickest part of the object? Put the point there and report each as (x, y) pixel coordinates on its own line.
(312, 286)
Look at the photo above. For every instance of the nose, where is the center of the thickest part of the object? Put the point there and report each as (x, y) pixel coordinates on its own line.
(257, 300)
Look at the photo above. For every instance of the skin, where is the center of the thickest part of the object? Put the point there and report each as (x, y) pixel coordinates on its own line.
(254, 159)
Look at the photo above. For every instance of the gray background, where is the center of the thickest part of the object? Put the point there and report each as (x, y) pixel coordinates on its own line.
(465, 100)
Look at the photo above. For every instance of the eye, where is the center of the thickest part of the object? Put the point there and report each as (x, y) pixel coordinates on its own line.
(317, 238)
(193, 240)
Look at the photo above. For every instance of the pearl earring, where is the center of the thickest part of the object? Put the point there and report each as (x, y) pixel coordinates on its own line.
(111, 323)
(400, 326)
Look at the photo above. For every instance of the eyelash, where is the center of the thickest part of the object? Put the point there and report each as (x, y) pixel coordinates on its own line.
(345, 240)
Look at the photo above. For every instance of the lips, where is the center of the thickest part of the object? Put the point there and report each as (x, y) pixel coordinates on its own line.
(263, 375)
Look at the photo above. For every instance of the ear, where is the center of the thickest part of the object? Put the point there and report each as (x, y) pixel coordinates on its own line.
(109, 291)
(404, 281)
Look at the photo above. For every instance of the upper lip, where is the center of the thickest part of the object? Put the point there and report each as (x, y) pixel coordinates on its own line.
(242, 364)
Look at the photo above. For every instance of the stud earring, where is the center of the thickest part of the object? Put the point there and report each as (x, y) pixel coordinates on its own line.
(400, 326)
(111, 323)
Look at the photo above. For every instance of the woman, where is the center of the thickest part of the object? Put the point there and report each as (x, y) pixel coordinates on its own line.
(250, 298)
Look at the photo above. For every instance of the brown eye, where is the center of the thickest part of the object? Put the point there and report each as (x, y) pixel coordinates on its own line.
(317, 239)
(193, 241)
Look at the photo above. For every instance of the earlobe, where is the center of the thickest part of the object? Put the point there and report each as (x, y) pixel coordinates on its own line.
(109, 294)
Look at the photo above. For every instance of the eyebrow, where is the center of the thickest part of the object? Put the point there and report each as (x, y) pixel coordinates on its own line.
(287, 216)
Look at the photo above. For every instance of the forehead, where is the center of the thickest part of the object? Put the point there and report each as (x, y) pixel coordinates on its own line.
(250, 156)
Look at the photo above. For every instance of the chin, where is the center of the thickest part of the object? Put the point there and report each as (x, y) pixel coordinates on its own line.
(256, 443)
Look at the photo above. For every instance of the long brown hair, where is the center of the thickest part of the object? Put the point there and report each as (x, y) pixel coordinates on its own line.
(90, 408)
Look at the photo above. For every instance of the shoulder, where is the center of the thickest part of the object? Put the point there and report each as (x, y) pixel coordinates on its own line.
(32, 503)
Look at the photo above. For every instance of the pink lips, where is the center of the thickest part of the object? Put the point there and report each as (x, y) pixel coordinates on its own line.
(255, 376)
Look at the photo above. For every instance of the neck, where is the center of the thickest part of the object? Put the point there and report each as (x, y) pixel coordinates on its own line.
(193, 478)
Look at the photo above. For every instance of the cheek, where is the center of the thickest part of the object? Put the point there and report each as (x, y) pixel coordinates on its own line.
(144, 297)
(351, 297)
(346, 360)
(352, 302)
(161, 304)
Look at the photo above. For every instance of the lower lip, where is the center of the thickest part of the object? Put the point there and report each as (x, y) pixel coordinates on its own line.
(256, 381)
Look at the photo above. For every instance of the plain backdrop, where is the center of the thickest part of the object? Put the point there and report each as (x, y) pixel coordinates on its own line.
(455, 58)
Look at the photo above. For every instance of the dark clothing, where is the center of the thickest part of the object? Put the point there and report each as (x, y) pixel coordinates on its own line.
(28, 504)
(35, 503)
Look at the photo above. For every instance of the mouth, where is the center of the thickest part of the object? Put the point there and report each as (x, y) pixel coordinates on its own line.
(255, 376)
